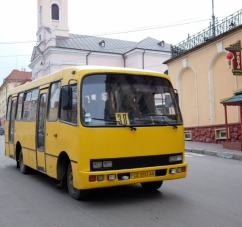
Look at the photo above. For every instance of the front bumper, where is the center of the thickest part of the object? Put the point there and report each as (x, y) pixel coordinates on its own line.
(81, 179)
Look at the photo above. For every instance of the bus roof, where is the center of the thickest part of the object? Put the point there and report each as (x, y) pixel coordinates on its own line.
(79, 71)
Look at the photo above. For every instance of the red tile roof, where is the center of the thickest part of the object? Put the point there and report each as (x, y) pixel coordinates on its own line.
(20, 76)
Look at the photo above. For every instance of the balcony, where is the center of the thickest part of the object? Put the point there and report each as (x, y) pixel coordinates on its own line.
(207, 34)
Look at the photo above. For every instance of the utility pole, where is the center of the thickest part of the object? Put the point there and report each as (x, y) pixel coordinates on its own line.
(213, 19)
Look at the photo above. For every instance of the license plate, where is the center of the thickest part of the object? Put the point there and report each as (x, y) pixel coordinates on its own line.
(143, 174)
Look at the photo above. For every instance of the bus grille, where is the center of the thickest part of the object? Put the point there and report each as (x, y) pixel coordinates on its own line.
(136, 162)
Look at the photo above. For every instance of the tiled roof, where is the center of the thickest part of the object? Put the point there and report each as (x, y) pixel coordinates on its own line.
(93, 43)
(20, 76)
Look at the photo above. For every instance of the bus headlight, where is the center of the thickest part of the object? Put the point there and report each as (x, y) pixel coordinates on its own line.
(175, 158)
(107, 164)
(102, 164)
(97, 165)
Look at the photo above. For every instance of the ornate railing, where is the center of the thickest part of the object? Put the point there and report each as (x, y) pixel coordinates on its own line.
(207, 34)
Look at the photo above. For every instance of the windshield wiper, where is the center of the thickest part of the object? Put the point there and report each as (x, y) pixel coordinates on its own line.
(156, 121)
(109, 120)
(165, 122)
(152, 114)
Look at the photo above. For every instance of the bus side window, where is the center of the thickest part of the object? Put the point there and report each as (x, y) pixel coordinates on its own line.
(30, 105)
(71, 115)
(54, 101)
(9, 107)
(19, 106)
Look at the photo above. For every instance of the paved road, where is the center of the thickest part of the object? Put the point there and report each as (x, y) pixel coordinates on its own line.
(210, 196)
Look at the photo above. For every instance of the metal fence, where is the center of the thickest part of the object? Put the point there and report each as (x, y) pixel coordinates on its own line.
(207, 34)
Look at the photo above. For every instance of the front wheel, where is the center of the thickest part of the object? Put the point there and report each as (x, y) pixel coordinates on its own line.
(152, 186)
(73, 192)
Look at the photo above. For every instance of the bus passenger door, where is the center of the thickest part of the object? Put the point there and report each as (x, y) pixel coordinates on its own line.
(11, 130)
(41, 131)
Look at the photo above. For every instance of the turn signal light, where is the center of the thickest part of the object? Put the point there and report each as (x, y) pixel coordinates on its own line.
(178, 170)
(181, 169)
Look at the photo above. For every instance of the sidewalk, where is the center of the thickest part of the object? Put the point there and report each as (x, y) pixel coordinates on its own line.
(212, 149)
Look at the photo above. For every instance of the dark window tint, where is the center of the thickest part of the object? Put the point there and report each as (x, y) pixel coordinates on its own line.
(19, 106)
(71, 115)
(54, 101)
(55, 12)
(41, 123)
(11, 125)
(135, 99)
(30, 105)
(9, 107)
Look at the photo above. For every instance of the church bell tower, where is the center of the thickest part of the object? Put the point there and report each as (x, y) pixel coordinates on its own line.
(53, 15)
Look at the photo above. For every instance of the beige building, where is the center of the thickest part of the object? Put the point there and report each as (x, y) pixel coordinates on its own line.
(14, 79)
(200, 71)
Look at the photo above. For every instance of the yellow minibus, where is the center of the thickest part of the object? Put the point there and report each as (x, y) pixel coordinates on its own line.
(93, 127)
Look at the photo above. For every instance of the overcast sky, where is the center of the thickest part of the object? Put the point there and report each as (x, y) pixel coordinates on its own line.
(131, 20)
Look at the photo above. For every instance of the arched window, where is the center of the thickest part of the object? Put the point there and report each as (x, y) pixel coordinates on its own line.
(55, 12)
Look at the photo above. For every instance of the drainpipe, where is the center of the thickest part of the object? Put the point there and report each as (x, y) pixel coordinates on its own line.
(87, 57)
(124, 60)
(143, 59)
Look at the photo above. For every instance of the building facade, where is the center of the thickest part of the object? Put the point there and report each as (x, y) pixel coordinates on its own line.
(200, 71)
(14, 79)
(57, 48)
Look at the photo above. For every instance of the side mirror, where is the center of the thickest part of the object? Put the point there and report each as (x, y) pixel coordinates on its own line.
(176, 96)
(66, 98)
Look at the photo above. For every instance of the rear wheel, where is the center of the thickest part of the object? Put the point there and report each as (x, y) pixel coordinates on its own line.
(152, 186)
(17, 164)
(23, 168)
(73, 192)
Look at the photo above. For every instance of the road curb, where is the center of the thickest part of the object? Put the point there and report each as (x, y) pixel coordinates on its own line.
(220, 154)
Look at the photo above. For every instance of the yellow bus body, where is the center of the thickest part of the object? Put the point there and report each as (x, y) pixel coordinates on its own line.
(82, 143)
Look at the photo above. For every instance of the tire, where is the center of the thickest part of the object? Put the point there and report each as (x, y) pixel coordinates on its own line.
(73, 192)
(152, 186)
(23, 168)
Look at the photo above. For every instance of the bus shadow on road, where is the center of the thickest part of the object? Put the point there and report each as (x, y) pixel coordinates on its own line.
(126, 193)
(110, 195)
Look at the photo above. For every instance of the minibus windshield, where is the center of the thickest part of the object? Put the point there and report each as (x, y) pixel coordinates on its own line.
(127, 99)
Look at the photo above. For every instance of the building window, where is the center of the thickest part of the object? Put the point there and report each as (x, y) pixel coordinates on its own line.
(220, 133)
(162, 43)
(102, 43)
(188, 135)
(55, 12)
